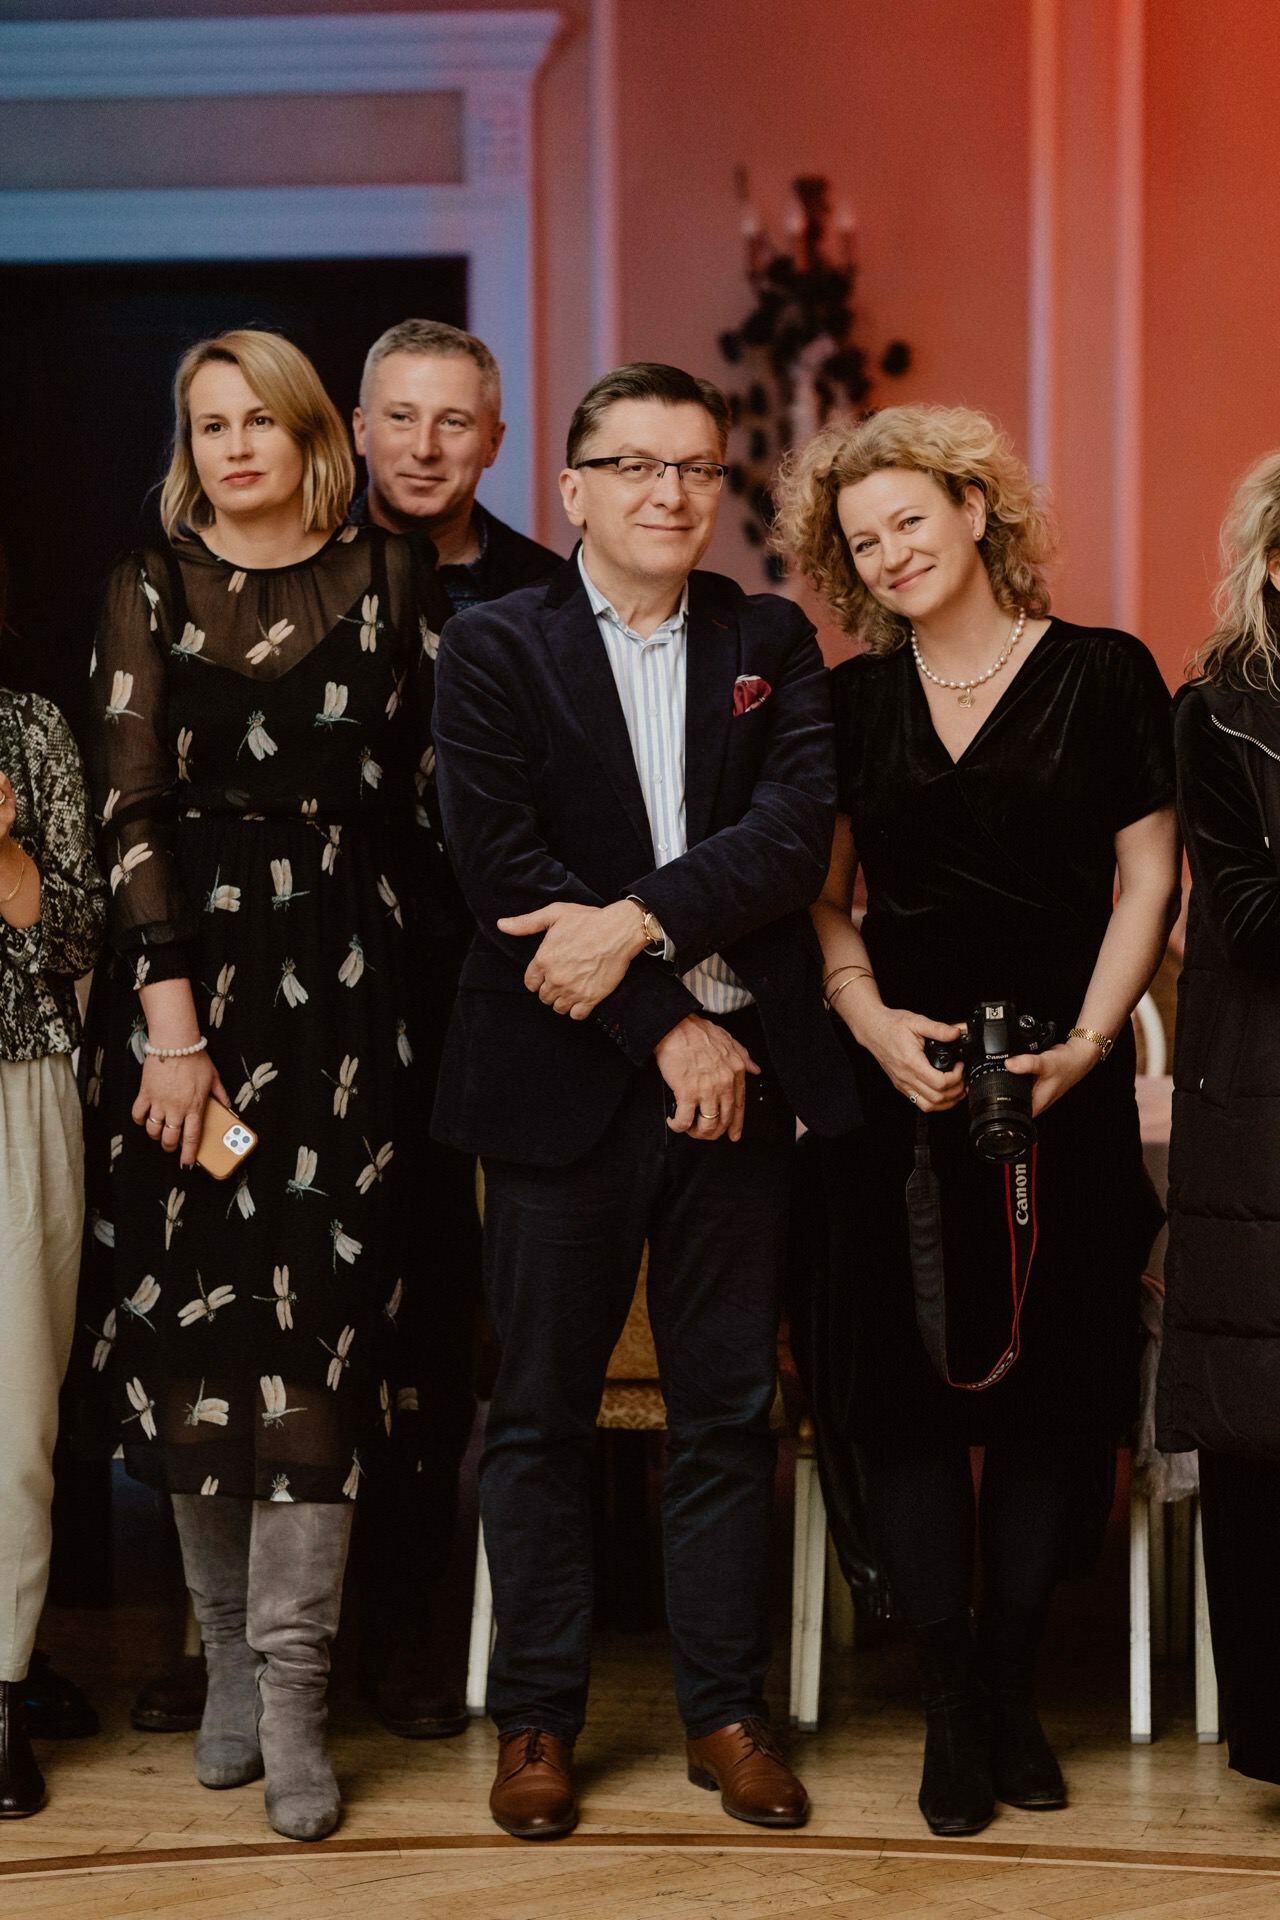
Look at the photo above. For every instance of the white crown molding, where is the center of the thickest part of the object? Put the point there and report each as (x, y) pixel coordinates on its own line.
(284, 53)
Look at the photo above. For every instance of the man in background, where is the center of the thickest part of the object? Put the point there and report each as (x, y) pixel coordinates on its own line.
(429, 425)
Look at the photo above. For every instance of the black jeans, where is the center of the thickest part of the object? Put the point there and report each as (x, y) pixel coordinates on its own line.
(408, 1515)
(562, 1252)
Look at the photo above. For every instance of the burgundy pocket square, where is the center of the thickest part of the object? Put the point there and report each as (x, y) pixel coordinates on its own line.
(749, 692)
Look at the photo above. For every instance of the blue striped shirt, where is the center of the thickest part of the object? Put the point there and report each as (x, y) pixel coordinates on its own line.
(650, 678)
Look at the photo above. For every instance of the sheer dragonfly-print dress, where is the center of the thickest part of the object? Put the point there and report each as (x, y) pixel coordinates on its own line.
(261, 773)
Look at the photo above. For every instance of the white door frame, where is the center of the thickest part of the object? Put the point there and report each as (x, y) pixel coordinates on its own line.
(490, 58)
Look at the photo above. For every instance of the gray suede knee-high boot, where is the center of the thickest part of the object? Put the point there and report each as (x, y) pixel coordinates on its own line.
(296, 1559)
(215, 1557)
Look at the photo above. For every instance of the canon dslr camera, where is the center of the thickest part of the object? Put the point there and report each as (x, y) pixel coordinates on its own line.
(1000, 1123)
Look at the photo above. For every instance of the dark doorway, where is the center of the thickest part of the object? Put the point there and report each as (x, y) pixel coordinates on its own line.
(89, 354)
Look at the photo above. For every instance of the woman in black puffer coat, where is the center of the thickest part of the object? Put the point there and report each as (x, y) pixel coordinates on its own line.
(1220, 1371)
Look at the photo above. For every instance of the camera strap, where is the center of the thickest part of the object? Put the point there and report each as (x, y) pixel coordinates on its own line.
(924, 1227)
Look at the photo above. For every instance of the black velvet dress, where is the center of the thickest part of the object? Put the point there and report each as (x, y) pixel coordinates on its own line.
(994, 876)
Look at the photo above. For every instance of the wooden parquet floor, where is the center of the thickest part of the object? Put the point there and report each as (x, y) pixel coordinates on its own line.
(1162, 1831)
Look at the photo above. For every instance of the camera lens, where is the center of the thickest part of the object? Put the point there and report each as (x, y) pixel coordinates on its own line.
(1000, 1123)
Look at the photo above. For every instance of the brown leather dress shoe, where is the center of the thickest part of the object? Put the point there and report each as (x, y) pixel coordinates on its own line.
(754, 1781)
(532, 1796)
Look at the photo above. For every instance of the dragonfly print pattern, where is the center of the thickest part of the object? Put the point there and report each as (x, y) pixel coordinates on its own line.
(259, 778)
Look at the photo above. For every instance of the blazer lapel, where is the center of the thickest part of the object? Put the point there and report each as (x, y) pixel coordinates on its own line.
(712, 656)
(579, 658)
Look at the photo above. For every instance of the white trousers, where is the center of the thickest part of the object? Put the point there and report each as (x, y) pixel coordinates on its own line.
(41, 1217)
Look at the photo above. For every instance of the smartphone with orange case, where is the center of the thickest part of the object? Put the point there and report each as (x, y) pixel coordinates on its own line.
(225, 1141)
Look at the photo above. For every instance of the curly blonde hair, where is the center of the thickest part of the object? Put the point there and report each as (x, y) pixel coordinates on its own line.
(1243, 644)
(956, 446)
(285, 381)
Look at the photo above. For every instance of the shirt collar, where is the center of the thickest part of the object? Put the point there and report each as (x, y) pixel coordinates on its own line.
(358, 516)
(604, 609)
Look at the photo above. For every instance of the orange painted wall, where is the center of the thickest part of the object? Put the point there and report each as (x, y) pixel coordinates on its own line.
(1212, 306)
(919, 116)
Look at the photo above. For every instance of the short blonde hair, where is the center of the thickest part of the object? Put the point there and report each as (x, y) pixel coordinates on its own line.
(1243, 644)
(957, 447)
(289, 386)
(438, 338)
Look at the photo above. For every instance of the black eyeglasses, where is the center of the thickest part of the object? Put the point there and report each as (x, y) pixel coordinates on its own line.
(696, 476)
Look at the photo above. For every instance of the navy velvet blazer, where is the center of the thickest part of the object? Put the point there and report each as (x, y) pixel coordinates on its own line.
(541, 801)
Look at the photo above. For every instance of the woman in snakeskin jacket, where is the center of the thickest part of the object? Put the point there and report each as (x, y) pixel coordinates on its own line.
(52, 913)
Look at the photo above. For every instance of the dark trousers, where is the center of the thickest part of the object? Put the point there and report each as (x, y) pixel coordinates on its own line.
(407, 1516)
(1240, 1509)
(1042, 1515)
(561, 1254)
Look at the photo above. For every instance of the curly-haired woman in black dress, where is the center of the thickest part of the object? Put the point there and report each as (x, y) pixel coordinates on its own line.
(262, 694)
(998, 769)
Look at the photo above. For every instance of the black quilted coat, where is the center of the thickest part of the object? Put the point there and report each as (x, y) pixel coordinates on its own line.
(1220, 1370)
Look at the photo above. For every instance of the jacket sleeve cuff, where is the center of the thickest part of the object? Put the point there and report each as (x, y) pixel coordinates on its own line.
(643, 1009)
(23, 947)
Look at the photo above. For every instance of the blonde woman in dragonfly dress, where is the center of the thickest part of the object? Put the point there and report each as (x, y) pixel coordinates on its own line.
(262, 710)
(51, 922)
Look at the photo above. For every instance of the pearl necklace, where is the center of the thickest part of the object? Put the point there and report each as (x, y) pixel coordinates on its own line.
(966, 687)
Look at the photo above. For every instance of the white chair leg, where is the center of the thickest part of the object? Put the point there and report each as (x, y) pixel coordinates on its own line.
(1206, 1673)
(192, 1639)
(1180, 1580)
(841, 1619)
(799, 1561)
(480, 1650)
(809, 1570)
(1139, 1620)
(1157, 1530)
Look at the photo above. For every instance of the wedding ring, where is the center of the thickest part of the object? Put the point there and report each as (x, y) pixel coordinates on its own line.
(704, 1115)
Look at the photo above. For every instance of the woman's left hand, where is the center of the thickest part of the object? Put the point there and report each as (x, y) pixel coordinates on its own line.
(1056, 1071)
(8, 806)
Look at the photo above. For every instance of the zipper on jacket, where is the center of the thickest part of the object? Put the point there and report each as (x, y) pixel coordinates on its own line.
(1248, 737)
(1237, 735)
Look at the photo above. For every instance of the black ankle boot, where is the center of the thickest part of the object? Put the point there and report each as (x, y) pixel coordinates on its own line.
(956, 1794)
(1025, 1771)
(21, 1781)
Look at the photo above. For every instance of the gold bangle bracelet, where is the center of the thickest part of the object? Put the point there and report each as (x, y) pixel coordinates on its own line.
(1101, 1041)
(833, 997)
(852, 967)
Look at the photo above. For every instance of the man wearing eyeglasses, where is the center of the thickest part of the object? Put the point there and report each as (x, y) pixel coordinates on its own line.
(637, 782)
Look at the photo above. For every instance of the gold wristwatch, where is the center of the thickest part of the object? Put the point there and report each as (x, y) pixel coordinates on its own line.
(654, 936)
(1101, 1041)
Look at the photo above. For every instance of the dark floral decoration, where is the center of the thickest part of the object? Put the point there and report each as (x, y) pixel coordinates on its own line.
(802, 297)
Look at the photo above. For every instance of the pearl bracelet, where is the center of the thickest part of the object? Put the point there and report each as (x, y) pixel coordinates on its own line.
(174, 1053)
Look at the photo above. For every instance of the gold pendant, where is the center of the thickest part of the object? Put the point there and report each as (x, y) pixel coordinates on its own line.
(966, 698)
